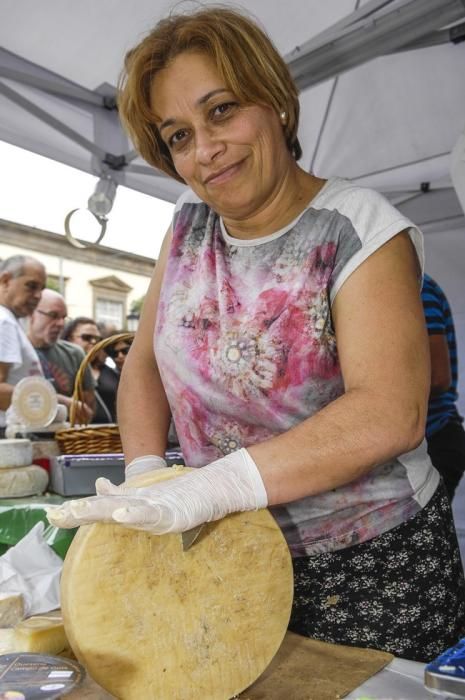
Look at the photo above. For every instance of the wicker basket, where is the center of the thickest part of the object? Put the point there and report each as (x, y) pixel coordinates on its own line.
(85, 439)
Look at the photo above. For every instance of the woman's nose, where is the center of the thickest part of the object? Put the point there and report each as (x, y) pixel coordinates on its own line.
(208, 146)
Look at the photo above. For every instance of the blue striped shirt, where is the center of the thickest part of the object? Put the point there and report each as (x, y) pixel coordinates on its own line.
(438, 315)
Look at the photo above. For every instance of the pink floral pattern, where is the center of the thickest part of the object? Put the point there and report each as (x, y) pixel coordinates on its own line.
(246, 349)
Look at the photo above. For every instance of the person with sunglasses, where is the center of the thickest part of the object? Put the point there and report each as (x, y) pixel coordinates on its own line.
(60, 359)
(107, 378)
(118, 352)
(82, 331)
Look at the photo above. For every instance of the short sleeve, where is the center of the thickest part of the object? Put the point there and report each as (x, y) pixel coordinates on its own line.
(10, 346)
(372, 221)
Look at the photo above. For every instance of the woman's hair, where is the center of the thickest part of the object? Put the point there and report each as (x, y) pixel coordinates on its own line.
(70, 328)
(244, 56)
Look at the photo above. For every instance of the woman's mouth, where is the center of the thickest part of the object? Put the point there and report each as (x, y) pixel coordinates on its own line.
(223, 175)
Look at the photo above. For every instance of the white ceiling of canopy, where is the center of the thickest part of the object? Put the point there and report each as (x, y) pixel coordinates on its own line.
(389, 123)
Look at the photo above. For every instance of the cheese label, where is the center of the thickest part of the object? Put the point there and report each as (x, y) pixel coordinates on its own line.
(37, 677)
(35, 402)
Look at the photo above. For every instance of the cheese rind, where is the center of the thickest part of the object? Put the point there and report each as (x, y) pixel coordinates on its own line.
(149, 620)
(11, 609)
(15, 453)
(7, 637)
(23, 481)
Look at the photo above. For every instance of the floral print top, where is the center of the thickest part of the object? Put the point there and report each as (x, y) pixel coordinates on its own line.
(246, 349)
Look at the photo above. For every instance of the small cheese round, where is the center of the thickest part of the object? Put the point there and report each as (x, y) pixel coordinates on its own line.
(23, 481)
(15, 453)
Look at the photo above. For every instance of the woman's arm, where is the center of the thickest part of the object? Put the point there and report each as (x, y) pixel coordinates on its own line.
(383, 352)
(142, 408)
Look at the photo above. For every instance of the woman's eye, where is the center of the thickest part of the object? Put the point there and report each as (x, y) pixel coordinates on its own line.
(177, 138)
(223, 109)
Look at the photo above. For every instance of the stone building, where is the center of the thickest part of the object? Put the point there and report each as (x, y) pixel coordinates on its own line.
(100, 282)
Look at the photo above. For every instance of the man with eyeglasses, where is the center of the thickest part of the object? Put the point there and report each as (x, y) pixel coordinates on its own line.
(22, 280)
(60, 359)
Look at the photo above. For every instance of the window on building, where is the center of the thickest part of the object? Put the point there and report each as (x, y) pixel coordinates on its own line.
(110, 304)
(110, 312)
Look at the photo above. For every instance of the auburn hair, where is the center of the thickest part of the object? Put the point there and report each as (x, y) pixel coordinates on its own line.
(245, 59)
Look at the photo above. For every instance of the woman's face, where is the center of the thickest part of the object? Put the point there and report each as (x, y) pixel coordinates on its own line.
(86, 335)
(119, 353)
(232, 155)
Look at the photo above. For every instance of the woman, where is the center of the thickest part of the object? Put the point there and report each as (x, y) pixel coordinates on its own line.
(290, 348)
(108, 377)
(82, 331)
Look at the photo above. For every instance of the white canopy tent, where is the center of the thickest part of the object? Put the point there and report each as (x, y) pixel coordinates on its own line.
(382, 93)
(373, 109)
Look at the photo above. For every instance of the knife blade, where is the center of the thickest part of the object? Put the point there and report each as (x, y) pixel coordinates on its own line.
(189, 536)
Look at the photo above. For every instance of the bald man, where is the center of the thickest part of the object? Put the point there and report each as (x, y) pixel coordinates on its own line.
(22, 280)
(60, 359)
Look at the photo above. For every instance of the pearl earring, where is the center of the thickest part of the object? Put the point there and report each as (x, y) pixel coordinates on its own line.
(283, 117)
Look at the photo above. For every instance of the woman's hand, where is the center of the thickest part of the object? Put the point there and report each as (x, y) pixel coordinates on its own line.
(230, 484)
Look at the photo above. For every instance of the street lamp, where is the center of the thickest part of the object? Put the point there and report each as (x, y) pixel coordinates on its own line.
(132, 321)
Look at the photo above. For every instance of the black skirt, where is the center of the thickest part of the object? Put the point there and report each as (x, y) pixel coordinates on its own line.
(402, 592)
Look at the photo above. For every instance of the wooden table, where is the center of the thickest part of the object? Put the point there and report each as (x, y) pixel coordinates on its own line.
(303, 669)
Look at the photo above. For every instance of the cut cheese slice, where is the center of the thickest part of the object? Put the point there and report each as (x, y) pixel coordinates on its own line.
(23, 481)
(41, 634)
(15, 453)
(11, 609)
(150, 620)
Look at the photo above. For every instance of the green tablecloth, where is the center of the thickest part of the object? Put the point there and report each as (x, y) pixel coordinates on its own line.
(19, 515)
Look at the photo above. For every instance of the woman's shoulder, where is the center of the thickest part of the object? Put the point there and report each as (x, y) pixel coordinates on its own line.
(367, 210)
(191, 214)
(7, 317)
(187, 197)
(341, 193)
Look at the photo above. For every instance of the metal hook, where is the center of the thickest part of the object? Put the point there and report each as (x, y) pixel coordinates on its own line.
(74, 241)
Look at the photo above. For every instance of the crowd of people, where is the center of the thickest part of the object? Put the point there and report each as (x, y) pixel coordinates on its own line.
(38, 338)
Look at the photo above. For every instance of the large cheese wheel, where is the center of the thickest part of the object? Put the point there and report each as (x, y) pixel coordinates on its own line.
(23, 481)
(15, 453)
(151, 621)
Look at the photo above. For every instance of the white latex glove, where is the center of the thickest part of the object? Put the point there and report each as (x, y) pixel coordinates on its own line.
(230, 484)
(147, 463)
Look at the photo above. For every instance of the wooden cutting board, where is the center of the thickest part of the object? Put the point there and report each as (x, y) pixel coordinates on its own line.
(149, 620)
(303, 669)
